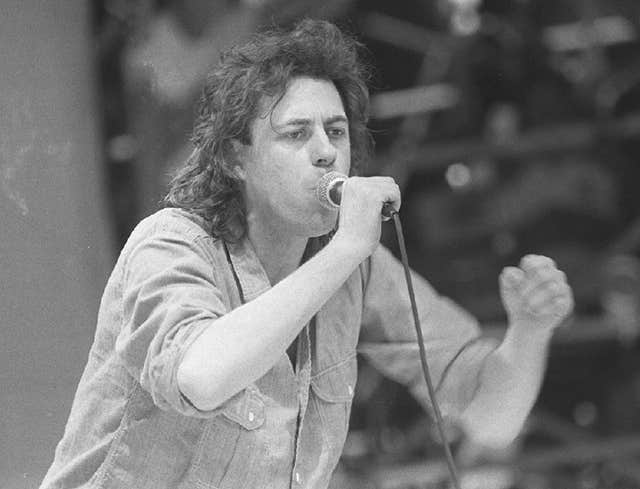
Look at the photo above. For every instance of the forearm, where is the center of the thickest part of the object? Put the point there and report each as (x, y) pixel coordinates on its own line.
(245, 343)
(508, 384)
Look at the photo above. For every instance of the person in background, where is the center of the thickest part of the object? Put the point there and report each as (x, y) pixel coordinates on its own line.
(225, 349)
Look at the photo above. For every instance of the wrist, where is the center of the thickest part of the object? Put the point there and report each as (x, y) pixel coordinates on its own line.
(353, 251)
(529, 333)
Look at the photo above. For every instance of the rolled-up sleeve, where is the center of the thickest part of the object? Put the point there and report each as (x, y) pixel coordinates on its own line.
(169, 298)
(455, 349)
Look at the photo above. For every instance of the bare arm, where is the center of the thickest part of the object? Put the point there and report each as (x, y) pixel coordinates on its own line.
(509, 383)
(537, 299)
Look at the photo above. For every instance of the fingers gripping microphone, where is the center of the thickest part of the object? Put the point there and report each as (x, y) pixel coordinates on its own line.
(329, 193)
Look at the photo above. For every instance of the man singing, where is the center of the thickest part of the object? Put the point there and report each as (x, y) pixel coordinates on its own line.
(225, 349)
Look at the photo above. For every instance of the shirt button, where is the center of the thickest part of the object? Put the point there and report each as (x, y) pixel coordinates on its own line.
(251, 416)
(297, 477)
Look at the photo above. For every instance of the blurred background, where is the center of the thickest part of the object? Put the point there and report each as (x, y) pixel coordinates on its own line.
(512, 126)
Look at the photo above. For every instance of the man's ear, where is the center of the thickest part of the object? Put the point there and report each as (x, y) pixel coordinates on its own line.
(239, 151)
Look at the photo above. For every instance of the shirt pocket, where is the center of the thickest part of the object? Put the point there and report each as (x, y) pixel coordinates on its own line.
(227, 445)
(333, 390)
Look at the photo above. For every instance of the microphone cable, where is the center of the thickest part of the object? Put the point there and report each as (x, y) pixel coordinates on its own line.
(423, 358)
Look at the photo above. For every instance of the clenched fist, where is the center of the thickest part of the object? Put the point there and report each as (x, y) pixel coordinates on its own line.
(536, 292)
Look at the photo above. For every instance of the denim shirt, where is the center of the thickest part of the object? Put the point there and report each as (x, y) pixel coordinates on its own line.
(130, 426)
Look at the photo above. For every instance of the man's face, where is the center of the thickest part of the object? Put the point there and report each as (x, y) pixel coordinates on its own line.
(305, 136)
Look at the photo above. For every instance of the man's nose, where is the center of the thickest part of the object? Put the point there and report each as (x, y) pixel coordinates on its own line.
(324, 152)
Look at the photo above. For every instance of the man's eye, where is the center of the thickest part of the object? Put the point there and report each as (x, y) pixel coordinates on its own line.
(336, 132)
(297, 134)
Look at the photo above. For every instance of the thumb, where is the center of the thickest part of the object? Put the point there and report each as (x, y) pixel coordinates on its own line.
(511, 278)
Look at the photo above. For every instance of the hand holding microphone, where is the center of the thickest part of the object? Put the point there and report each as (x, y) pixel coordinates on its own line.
(362, 201)
(329, 193)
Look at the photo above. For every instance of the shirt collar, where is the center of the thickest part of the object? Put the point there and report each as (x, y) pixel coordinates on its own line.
(251, 275)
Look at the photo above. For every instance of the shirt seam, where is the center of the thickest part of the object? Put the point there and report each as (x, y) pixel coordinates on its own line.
(159, 227)
(336, 365)
(101, 473)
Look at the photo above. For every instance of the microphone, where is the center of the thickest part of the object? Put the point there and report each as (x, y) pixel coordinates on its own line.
(329, 193)
(329, 189)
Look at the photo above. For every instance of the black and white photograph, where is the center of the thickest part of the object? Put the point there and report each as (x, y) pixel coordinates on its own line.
(320, 244)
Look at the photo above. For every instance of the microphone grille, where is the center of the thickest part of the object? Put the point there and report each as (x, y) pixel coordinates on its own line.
(324, 186)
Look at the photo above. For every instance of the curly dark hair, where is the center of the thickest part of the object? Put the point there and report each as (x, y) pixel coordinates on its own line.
(262, 67)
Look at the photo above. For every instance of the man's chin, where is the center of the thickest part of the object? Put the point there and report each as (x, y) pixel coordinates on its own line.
(325, 223)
